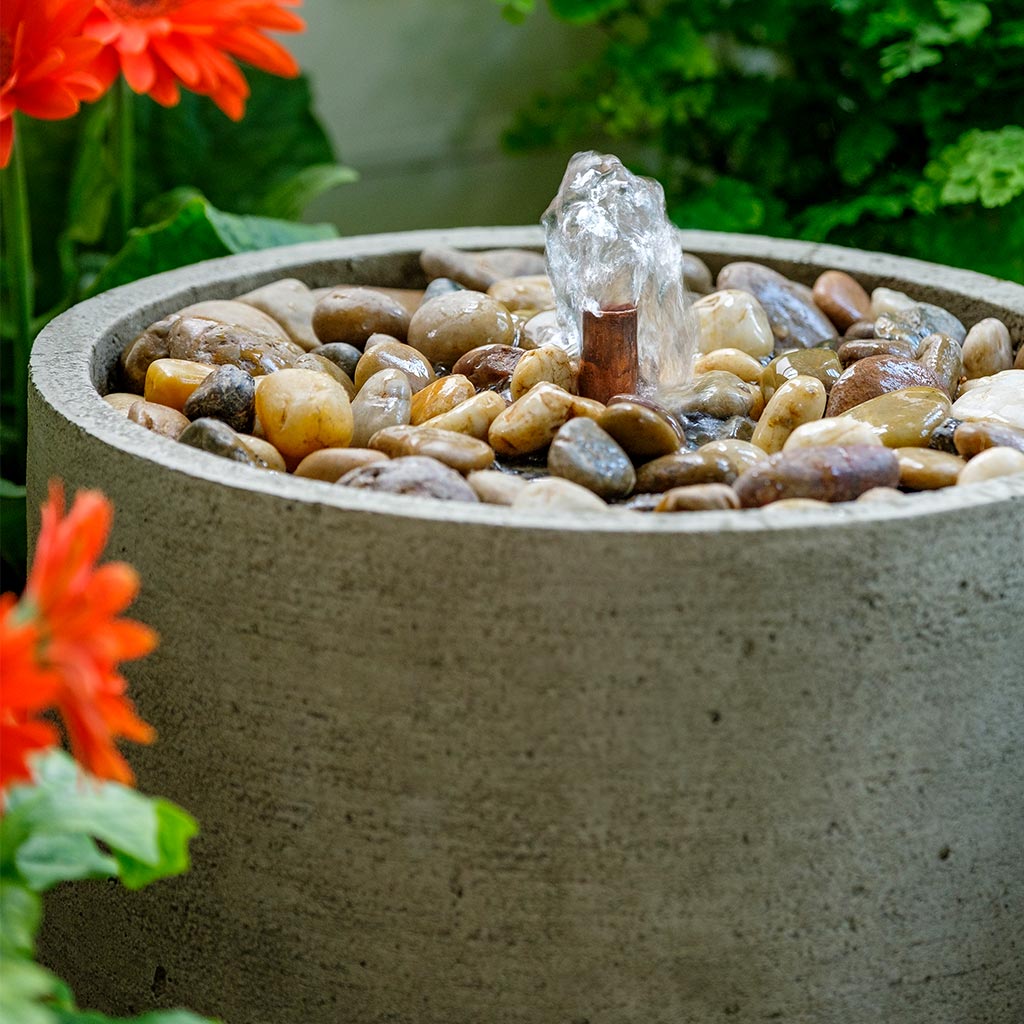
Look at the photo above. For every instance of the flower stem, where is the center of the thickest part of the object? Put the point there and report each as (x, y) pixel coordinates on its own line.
(124, 148)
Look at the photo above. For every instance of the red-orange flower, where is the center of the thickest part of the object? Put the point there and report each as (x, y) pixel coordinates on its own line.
(162, 44)
(46, 65)
(62, 643)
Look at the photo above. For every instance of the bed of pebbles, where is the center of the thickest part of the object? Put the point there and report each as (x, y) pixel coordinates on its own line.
(799, 396)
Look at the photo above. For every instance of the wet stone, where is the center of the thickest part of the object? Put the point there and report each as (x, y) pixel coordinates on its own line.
(699, 429)
(547, 363)
(331, 464)
(904, 419)
(160, 419)
(829, 473)
(557, 494)
(171, 381)
(473, 417)
(122, 401)
(494, 487)
(698, 498)
(440, 286)
(987, 349)
(738, 455)
(447, 327)
(234, 313)
(860, 330)
(515, 293)
(352, 314)
(835, 430)
(443, 395)
(944, 357)
(219, 344)
(532, 422)
(640, 503)
(414, 475)
(318, 363)
(874, 376)
(685, 468)
(841, 298)
(642, 432)
(346, 357)
(916, 323)
(718, 394)
(228, 394)
(924, 469)
(850, 351)
(459, 451)
(265, 454)
(820, 363)
(733, 361)
(696, 275)
(999, 398)
(479, 270)
(541, 329)
(972, 438)
(393, 355)
(944, 437)
(800, 400)
(489, 367)
(888, 300)
(584, 453)
(290, 303)
(383, 401)
(146, 348)
(992, 463)
(217, 438)
(302, 410)
(733, 318)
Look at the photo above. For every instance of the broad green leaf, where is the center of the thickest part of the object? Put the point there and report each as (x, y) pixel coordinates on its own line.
(93, 181)
(23, 983)
(46, 858)
(174, 830)
(157, 1017)
(582, 12)
(288, 199)
(20, 913)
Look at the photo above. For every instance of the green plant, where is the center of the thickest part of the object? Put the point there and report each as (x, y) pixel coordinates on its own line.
(887, 124)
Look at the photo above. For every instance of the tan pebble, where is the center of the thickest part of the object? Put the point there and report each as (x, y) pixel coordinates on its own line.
(331, 464)
(410, 298)
(171, 381)
(238, 314)
(944, 357)
(821, 363)
(209, 341)
(833, 430)
(547, 363)
(541, 329)
(557, 494)
(800, 400)
(302, 410)
(122, 401)
(531, 423)
(731, 318)
(443, 395)
(643, 433)
(352, 314)
(737, 455)
(971, 438)
(393, 355)
(459, 451)
(312, 361)
(987, 349)
(999, 398)
(732, 360)
(1018, 363)
(445, 328)
(591, 408)
(161, 419)
(496, 488)
(925, 469)
(290, 303)
(799, 503)
(882, 494)
(717, 394)
(991, 463)
(970, 385)
(698, 497)
(264, 452)
(384, 400)
(904, 419)
(533, 292)
(887, 300)
(473, 416)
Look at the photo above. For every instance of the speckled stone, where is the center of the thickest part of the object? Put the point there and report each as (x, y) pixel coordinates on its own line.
(874, 376)
(161, 419)
(584, 453)
(459, 451)
(414, 475)
(217, 344)
(548, 362)
(228, 394)
(698, 498)
(218, 439)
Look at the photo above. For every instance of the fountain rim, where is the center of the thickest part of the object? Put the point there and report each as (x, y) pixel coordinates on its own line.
(65, 375)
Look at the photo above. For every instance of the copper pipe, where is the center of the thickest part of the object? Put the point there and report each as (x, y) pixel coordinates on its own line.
(609, 363)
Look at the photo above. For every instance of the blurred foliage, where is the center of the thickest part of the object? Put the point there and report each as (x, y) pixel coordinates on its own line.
(893, 124)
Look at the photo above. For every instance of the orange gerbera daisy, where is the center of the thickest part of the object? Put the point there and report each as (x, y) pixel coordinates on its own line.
(161, 44)
(45, 64)
(62, 643)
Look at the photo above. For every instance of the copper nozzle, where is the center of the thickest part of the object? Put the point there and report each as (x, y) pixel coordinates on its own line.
(609, 362)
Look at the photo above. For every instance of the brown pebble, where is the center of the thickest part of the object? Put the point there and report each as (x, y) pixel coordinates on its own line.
(974, 437)
(445, 328)
(644, 433)
(331, 464)
(161, 419)
(489, 367)
(393, 355)
(414, 475)
(924, 469)
(460, 451)
(876, 375)
(855, 349)
(862, 329)
(352, 314)
(683, 469)
(841, 298)
(698, 498)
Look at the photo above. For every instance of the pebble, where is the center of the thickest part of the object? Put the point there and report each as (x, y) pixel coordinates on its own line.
(699, 429)
(385, 400)
(904, 419)
(861, 348)
(459, 451)
(698, 498)
(473, 416)
(830, 473)
(841, 298)
(142, 350)
(718, 394)
(738, 455)
(887, 495)
(533, 292)
(233, 312)
(532, 422)
(290, 303)
(558, 494)
(972, 438)
(924, 469)
(1018, 363)
(331, 464)
(807, 504)
(415, 475)
(820, 363)
(265, 454)
(541, 329)
(161, 419)
(733, 319)
(642, 432)
(479, 270)
(795, 320)
(833, 430)
(443, 395)
(696, 275)
(440, 286)
(987, 349)
(732, 360)
(861, 330)
(800, 400)
(589, 407)
(916, 323)
(318, 363)
(584, 453)
(228, 394)
(494, 487)
(877, 375)
(489, 367)
(346, 357)
(684, 468)
(888, 300)
(999, 398)
(447, 327)
(122, 401)
(352, 314)
(204, 341)
(944, 357)
(942, 439)
(992, 463)
(547, 363)
(217, 438)
(390, 354)
(302, 410)
(171, 381)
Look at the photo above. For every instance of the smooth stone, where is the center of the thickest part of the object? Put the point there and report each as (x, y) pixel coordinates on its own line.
(473, 417)
(352, 314)
(943, 437)
(144, 349)
(1018, 363)
(531, 292)
(584, 453)
(699, 429)
(999, 398)
(235, 313)
(302, 410)
(344, 356)
(972, 438)
(738, 455)
(987, 349)
(718, 394)
(992, 463)
(861, 330)
(877, 375)
(556, 493)
(541, 329)
(904, 419)
(833, 430)
(479, 270)
(385, 400)
(494, 487)
(820, 363)
(265, 454)
(800, 400)
(642, 432)
(888, 301)
(161, 419)
(171, 382)
(733, 318)
(832, 473)
(410, 298)
(809, 504)
(447, 327)
(547, 363)
(861, 348)
(390, 354)
(440, 286)
(489, 367)
(885, 495)
(415, 475)
(944, 357)
(731, 360)
(696, 275)
(531, 423)
(924, 469)
(915, 324)
(795, 320)
(589, 407)
(207, 341)
(290, 303)
(698, 498)
(640, 503)
(684, 468)
(122, 401)
(331, 464)
(841, 298)
(459, 451)
(443, 395)
(218, 439)
(228, 394)
(320, 364)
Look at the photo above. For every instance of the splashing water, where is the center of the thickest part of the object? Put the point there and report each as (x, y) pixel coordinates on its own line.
(610, 243)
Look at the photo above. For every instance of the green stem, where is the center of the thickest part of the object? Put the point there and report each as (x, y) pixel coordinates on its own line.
(124, 148)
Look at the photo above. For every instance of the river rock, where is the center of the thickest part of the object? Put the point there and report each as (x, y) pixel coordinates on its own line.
(440, 286)
(531, 423)
(800, 400)
(1018, 363)
(698, 498)
(733, 318)
(833, 430)
(888, 301)
(861, 348)
(489, 367)
(533, 292)
(447, 327)
(682, 469)
(291, 304)
(496, 488)
(820, 363)
(473, 417)
(696, 275)
(414, 475)
(738, 455)
(731, 360)
(265, 454)
(972, 438)
(717, 394)
(302, 410)
(390, 354)
(642, 432)
(924, 469)
(160, 419)
(904, 419)
(860, 330)
(443, 395)
(874, 376)
(479, 270)
(992, 463)
(228, 394)
(171, 382)
(841, 298)
(459, 451)
(218, 344)
(145, 348)
(122, 401)
(235, 313)
(795, 320)
(987, 349)
(558, 494)
(385, 400)
(541, 329)
(331, 464)
(829, 473)
(584, 453)
(547, 363)
(344, 356)
(916, 323)
(351, 314)
(319, 364)
(944, 357)
(217, 438)
(999, 398)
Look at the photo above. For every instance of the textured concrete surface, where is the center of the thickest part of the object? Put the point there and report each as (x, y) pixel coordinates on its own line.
(459, 764)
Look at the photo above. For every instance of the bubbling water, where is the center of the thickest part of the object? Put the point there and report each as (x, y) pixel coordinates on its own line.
(610, 244)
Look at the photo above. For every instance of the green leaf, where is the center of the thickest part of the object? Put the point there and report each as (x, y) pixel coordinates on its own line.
(582, 12)
(174, 830)
(985, 167)
(288, 199)
(20, 913)
(45, 859)
(861, 147)
(23, 984)
(157, 1017)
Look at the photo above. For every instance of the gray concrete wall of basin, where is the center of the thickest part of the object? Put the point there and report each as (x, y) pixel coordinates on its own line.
(456, 764)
